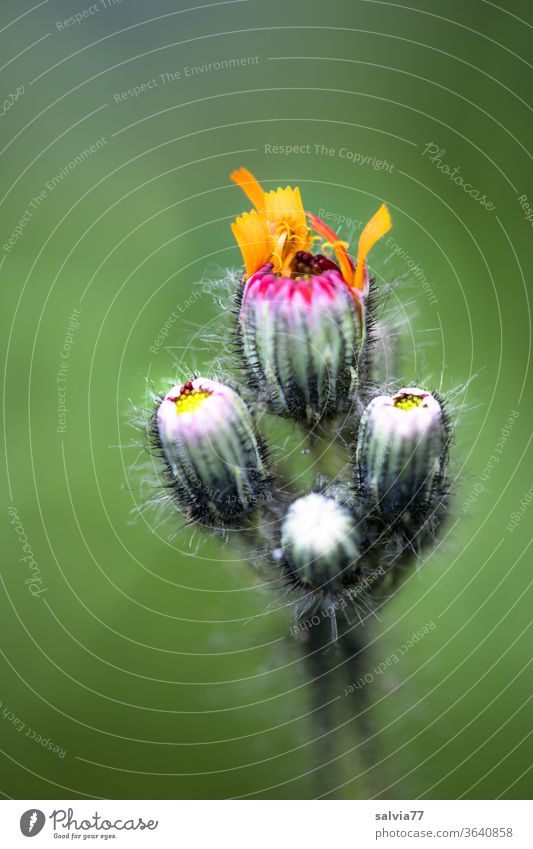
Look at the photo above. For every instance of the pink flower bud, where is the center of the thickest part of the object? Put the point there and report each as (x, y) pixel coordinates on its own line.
(208, 441)
(401, 454)
(301, 338)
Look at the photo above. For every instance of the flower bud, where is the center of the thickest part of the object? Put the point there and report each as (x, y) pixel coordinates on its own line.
(300, 340)
(320, 542)
(208, 441)
(401, 453)
(303, 316)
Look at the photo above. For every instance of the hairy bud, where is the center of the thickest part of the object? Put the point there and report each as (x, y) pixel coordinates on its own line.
(300, 340)
(302, 318)
(401, 454)
(208, 441)
(320, 542)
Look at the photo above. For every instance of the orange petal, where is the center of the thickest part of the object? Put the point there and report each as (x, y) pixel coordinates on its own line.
(286, 205)
(340, 251)
(250, 186)
(379, 224)
(251, 233)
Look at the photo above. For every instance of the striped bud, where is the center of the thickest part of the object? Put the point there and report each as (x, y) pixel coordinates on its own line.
(320, 543)
(301, 338)
(401, 453)
(208, 441)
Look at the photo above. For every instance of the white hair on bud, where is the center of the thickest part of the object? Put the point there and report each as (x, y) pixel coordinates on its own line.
(319, 540)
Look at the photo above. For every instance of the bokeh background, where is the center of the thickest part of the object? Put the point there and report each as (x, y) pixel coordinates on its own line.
(159, 669)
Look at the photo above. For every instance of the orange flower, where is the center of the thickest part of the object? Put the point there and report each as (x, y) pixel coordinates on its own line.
(278, 229)
(275, 230)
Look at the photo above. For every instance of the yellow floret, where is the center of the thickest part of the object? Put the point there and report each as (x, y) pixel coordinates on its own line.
(408, 402)
(191, 400)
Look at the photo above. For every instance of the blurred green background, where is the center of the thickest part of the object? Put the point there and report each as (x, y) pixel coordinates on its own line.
(163, 671)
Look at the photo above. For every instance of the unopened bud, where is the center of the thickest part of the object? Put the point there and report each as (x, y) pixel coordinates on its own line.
(320, 542)
(402, 448)
(208, 440)
(300, 341)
